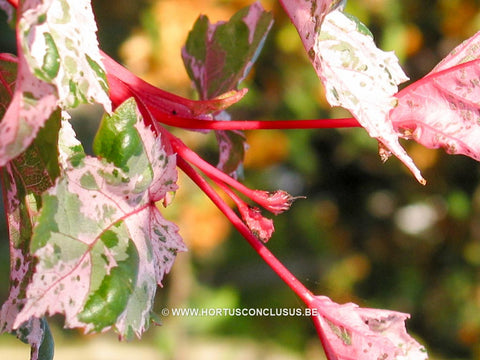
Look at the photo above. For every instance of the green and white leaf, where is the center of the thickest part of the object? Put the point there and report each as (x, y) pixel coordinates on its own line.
(58, 40)
(102, 244)
(59, 64)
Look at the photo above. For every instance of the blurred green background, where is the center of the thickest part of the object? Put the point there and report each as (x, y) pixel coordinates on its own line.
(367, 232)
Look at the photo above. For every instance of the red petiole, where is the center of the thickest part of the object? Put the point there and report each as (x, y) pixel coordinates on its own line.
(299, 289)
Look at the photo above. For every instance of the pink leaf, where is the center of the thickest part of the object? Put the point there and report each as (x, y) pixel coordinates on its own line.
(349, 332)
(443, 108)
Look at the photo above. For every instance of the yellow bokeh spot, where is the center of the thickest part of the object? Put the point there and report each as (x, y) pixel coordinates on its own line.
(266, 148)
(203, 226)
(413, 39)
(346, 273)
(423, 157)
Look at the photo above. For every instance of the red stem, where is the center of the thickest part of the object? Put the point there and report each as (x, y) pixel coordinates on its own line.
(191, 156)
(299, 289)
(189, 123)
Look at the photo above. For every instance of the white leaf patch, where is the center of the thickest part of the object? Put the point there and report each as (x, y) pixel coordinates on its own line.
(361, 78)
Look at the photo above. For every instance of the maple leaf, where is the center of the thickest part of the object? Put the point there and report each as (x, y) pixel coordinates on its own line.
(362, 78)
(101, 242)
(356, 74)
(349, 332)
(443, 108)
(217, 58)
(59, 64)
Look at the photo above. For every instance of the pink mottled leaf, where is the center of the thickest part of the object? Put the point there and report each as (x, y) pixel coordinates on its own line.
(101, 242)
(467, 51)
(443, 108)
(349, 332)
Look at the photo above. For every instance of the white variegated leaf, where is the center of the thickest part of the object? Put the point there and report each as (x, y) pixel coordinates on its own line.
(58, 40)
(361, 78)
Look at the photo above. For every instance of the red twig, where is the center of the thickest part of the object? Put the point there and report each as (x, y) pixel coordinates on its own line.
(256, 244)
(189, 123)
(275, 202)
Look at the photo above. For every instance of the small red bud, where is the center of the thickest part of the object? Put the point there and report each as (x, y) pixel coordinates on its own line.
(259, 225)
(275, 202)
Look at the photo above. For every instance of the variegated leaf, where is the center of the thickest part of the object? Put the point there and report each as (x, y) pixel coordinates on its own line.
(307, 16)
(102, 243)
(58, 40)
(361, 78)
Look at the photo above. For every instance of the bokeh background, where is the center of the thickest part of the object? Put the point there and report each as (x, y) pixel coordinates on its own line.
(367, 231)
